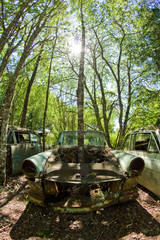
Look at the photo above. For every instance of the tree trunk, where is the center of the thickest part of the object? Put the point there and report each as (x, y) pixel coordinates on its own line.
(80, 100)
(24, 112)
(117, 77)
(7, 101)
(129, 98)
(104, 105)
(95, 107)
(48, 86)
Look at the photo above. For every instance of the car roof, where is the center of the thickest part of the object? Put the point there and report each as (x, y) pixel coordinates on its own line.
(150, 128)
(84, 131)
(22, 129)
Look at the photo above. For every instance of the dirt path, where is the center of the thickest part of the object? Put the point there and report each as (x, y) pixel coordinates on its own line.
(20, 220)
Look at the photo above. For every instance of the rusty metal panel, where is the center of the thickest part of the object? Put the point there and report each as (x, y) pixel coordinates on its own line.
(93, 200)
(82, 198)
(71, 172)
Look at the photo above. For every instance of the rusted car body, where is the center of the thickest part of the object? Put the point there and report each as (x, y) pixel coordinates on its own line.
(145, 143)
(58, 179)
(21, 143)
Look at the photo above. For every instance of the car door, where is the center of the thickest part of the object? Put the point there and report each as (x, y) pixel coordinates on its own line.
(20, 150)
(21, 144)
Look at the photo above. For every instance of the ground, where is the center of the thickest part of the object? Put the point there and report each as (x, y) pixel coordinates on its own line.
(20, 220)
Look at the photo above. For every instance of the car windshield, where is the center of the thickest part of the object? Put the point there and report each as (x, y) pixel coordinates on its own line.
(91, 138)
(157, 133)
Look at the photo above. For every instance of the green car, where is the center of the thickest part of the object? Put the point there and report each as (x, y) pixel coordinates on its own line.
(145, 143)
(21, 143)
(59, 180)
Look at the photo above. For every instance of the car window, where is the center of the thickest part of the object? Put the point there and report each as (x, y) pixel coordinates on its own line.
(142, 141)
(68, 138)
(35, 138)
(132, 141)
(22, 137)
(125, 145)
(10, 138)
(90, 138)
(152, 146)
(94, 138)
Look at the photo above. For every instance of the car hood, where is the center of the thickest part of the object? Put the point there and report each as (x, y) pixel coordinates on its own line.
(83, 173)
(99, 165)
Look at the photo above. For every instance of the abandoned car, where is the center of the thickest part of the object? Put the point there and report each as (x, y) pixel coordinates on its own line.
(145, 143)
(59, 180)
(21, 143)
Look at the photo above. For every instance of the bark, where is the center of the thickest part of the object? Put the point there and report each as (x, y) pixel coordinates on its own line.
(2, 12)
(25, 106)
(80, 95)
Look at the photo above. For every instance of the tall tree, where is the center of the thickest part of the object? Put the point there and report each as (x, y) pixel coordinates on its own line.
(50, 9)
(24, 111)
(48, 86)
(80, 92)
(116, 73)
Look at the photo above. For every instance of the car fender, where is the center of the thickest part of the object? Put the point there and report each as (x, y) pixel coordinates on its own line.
(34, 165)
(131, 164)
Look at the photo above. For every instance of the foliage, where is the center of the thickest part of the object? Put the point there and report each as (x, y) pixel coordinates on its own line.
(149, 20)
(146, 109)
(106, 24)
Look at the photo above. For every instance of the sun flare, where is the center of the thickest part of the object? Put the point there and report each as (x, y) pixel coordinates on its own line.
(74, 47)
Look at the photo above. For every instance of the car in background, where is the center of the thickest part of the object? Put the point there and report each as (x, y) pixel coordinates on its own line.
(21, 143)
(145, 143)
(58, 179)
